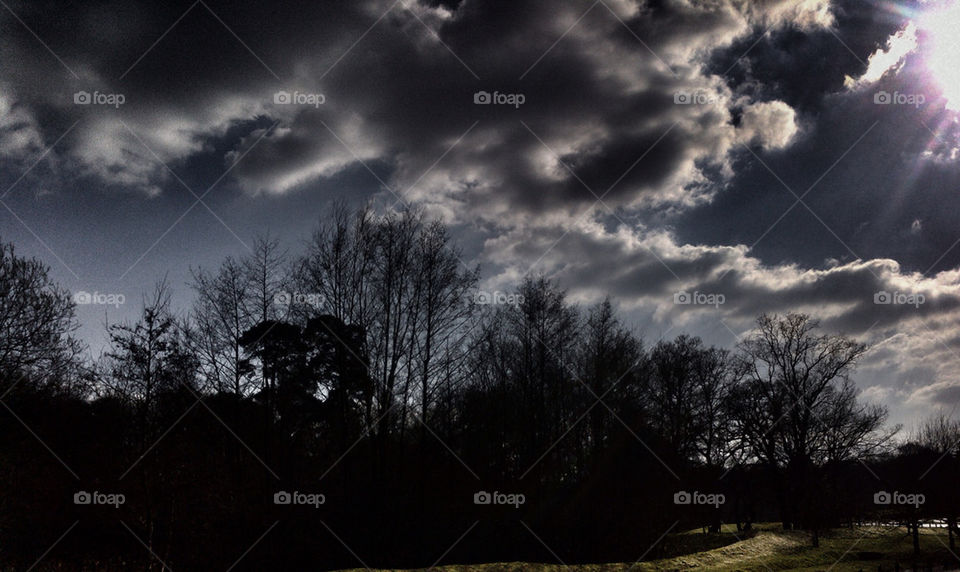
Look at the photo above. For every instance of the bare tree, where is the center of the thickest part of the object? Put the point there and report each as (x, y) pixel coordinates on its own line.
(443, 310)
(36, 321)
(672, 393)
(149, 357)
(221, 314)
(268, 275)
(796, 408)
(394, 301)
(339, 264)
(397, 278)
(541, 345)
(715, 376)
(611, 362)
(241, 294)
(940, 433)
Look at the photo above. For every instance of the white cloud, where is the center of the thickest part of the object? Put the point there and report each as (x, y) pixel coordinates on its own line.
(913, 359)
(888, 58)
(771, 124)
(19, 131)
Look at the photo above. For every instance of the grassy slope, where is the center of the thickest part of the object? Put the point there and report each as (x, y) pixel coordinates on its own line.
(842, 550)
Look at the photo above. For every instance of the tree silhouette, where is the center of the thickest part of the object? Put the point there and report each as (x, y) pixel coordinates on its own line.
(375, 371)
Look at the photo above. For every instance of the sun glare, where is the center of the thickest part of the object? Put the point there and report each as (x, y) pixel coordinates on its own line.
(942, 26)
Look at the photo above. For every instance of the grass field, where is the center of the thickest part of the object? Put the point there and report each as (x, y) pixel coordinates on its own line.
(842, 550)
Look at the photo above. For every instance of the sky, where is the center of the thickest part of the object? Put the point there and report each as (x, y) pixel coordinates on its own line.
(700, 161)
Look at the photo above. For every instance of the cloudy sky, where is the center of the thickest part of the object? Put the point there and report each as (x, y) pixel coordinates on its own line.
(774, 155)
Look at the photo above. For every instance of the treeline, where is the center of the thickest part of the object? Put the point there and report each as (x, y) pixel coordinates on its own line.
(365, 403)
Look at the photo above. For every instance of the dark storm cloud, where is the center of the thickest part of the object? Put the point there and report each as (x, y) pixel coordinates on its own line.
(803, 66)
(882, 182)
(571, 106)
(184, 75)
(889, 197)
(398, 81)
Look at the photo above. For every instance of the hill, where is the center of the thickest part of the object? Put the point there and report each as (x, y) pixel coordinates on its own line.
(861, 549)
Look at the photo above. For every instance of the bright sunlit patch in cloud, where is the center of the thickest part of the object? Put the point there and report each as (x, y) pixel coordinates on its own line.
(891, 56)
(933, 29)
(941, 24)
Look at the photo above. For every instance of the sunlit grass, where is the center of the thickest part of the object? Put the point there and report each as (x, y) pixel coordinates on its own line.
(769, 548)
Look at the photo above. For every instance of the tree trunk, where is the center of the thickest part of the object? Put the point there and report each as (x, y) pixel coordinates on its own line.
(916, 538)
(951, 529)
